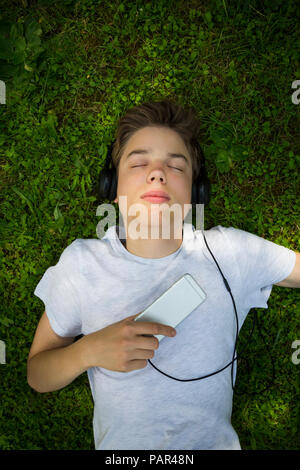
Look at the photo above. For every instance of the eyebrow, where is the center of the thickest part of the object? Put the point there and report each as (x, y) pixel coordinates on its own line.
(143, 151)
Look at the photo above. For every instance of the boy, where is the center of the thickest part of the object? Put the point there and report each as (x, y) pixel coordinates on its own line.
(98, 287)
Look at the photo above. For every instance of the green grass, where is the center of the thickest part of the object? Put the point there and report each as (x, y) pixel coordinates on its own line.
(235, 63)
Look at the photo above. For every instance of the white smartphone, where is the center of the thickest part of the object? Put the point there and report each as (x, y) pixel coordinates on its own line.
(175, 304)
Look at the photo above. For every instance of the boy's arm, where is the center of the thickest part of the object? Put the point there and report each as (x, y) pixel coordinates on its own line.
(293, 280)
(53, 361)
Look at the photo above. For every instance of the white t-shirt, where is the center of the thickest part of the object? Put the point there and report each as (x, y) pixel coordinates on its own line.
(98, 282)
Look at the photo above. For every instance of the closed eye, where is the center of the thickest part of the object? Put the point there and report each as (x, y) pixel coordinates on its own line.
(136, 166)
(179, 169)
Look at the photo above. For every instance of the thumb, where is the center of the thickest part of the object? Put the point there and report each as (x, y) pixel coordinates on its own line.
(132, 317)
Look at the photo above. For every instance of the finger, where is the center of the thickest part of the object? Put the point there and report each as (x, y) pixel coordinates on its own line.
(136, 364)
(132, 317)
(152, 328)
(139, 354)
(146, 342)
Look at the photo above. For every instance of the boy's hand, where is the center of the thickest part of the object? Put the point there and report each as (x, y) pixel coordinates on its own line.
(121, 346)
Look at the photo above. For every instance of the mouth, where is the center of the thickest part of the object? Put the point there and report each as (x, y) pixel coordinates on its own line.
(155, 199)
(156, 196)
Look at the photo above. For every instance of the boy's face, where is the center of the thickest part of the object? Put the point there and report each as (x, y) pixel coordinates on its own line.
(155, 170)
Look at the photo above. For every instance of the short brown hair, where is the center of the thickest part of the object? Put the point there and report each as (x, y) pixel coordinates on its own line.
(163, 113)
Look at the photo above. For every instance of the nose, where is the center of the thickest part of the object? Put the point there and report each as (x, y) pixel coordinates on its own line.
(157, 175)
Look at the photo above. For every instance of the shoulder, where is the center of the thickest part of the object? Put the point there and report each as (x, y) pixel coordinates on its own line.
(233, 235)
(218, 234)
(82, 244)
(72, 255)
(82, 250)
(217, 241)
(228, 243)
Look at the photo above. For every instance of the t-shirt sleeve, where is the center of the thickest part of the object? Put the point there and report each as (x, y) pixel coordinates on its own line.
(261, 263)
(58, 289)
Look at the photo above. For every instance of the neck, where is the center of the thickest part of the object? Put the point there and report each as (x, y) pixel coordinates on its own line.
(151, 247)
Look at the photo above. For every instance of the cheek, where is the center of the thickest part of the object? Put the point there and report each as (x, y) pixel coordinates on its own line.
(129, 183)
(184, 187)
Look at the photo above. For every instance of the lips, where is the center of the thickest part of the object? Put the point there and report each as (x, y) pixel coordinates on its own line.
(156, 194)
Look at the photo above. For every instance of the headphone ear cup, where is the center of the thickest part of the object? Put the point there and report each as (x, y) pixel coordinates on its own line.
(204, 192)
(105, 184)
(201, 191)
(194, 193)
(113, 186)
(201, 187)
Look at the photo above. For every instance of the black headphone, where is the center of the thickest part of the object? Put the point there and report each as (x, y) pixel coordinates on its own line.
(201, 192)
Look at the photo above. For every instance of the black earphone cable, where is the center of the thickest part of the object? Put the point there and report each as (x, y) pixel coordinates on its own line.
(236, 337)
(235, 357)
